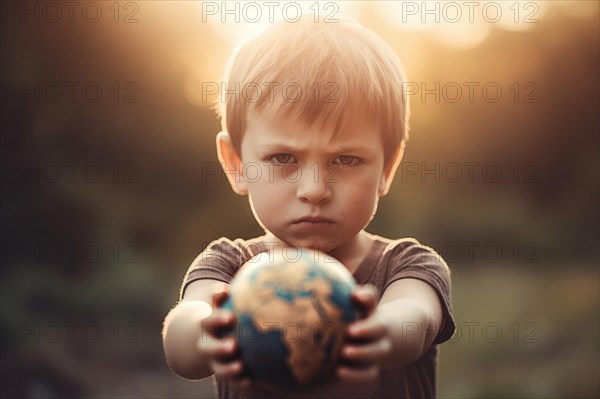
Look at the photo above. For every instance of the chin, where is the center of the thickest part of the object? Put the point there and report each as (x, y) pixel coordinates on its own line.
(318, 244)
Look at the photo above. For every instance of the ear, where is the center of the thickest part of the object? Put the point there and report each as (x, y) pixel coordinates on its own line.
(231, 163)
(389, 171)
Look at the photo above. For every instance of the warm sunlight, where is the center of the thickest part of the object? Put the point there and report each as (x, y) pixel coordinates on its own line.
(238, 20)
(459, 24)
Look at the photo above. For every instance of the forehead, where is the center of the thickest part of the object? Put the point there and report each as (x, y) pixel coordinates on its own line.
(284, 131)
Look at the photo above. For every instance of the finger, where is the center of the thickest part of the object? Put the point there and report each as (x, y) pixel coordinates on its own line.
(354, 374)
(230, 370)
(220, 295)
(368, 329)
(365, 299)
(218, 348)
(218, 325)
(366, 354)
(221, 318)
(234, 371)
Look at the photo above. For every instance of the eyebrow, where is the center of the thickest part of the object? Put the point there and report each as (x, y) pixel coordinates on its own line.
(282, 147)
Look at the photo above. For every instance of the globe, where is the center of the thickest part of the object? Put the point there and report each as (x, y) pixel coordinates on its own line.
(292, 309)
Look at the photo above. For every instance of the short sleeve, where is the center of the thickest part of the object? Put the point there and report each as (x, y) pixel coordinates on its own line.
(411, 259)
(219, 261)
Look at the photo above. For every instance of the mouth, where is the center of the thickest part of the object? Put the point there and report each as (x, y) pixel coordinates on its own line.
(313, 221)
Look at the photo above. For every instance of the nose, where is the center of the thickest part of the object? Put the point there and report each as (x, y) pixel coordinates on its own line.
(312, 186)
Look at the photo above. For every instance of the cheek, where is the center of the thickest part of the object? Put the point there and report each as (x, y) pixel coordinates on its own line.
(364, 192)
(267, 195)
(365, 205)
(362, 187)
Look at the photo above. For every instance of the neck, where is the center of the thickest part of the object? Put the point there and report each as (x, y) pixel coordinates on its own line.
(353, 252)
(350, 253)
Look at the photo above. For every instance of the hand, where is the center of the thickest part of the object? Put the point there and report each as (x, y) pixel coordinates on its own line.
(221, 349)
(368, 341)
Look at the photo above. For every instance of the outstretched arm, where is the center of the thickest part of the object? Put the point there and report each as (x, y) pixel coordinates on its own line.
(182, 331)
(394, 333)
(194, 347)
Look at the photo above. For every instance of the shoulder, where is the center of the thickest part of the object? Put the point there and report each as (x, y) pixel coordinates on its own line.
(407, 257)
(407, 248)
(225, 250)
(221, 259)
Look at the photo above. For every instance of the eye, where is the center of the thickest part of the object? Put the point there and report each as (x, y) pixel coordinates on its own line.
(281, 158)
(346, 160)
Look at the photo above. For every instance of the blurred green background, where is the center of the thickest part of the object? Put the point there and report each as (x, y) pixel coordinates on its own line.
(110, 189)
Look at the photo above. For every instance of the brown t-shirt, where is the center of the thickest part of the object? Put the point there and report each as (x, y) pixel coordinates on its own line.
(386, 262)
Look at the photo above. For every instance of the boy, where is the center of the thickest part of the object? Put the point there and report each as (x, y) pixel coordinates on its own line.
(314, 128)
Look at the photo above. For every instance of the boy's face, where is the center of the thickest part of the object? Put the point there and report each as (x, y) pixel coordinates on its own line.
(306, 187)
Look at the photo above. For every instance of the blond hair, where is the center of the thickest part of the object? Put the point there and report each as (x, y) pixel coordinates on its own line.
(333, 74)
